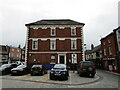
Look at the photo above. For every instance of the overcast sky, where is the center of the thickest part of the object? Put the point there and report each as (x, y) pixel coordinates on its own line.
(100, 17)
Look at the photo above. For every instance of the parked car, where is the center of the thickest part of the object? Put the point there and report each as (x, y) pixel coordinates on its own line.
(59, 71)
(38, 70)
(86, 68)
(20, 70)
(6, 68)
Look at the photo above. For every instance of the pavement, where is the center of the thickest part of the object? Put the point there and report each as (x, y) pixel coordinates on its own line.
(102, 79)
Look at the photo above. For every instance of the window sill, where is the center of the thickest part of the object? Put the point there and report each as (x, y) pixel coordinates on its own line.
(73, 49)
(52, 63)
(34, 49)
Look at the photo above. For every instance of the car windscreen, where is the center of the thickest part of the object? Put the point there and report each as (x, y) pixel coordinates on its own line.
(58, 66)
(21, 66)
(87, 63)
(6, 65)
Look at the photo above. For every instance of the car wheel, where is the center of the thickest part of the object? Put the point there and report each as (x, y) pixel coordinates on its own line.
(42, 73)
(80, 74)
(46, 72)
(51, 78)
(92, 75)
(66, 78)
(32, 74)
(77, 72)
(3, 73)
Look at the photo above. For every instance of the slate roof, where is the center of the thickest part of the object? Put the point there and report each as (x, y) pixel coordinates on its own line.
(56, 22)
(96, 48)
(93, 50)
(88, 51)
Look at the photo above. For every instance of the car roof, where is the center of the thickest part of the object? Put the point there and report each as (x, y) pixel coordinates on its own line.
(22, 65)
(61, 64)
(36, 65)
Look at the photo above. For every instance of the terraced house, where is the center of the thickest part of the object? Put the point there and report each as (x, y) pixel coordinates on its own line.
(54, 41)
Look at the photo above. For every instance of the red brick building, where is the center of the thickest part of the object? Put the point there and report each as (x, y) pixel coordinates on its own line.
(14, 54)
(4, 54)
(109, 51)
(54, 41)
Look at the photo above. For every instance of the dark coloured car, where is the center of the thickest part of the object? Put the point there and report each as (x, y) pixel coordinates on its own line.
(20, 70)
(86, 68)
(6, 68)
(38, 70)
(59, 71)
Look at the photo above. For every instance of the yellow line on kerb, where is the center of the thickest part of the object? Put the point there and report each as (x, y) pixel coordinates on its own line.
(45, 78)
(79, 86)
(20, 76)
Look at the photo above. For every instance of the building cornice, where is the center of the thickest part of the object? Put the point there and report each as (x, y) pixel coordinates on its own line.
(56, 52)
(54, 38)
(54, 26)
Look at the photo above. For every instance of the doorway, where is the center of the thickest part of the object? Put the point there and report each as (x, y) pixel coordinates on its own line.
(62, 59)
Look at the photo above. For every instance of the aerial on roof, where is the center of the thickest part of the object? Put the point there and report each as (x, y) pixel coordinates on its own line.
(56, 22)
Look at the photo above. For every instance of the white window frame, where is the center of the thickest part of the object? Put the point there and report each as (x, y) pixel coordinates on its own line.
(12, 49)
(73, 30)
(104, 52)
(103, 43)
(110, 50)
(73, 42)
(33, 44)
(53, 30)
(17, 55)
(52, 58)
(74, 58)
(109, 41)
(64, 58)
(18, 50)
(53, 42)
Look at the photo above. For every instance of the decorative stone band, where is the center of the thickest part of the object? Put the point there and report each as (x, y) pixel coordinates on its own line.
(44, 39)
(58, 52)
(54, 26)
